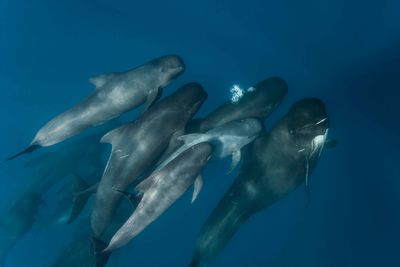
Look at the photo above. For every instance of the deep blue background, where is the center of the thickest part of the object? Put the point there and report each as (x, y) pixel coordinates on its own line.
(345, 52)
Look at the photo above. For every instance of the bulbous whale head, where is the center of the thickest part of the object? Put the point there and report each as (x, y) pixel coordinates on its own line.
(188, 99)
(265, 96)
(248, 127)
(168, 67)
(308, 124)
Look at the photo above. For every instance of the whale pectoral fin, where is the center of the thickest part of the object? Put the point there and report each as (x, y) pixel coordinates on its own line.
(198, 184)
(151, 98)
(112, 136)
(102, 79)
(143, 186)
(134, 199)
(173, 145)
(193, 139)
(236, 157)
(174, 149)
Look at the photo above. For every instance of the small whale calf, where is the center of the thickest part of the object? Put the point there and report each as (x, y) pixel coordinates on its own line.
(115, 94)
(162, 189)
(227, 140)
(18, 221)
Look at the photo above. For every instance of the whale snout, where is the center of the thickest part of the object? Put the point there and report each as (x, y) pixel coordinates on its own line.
(274, 89)
(193, 97)
(172, 63)
(307, 119)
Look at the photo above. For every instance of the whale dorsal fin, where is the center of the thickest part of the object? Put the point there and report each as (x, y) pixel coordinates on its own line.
(152, 97)
(134, 199)
(112, 136)
(198, 184)
(193, 139)
(174, 144)
(143, 186)
(102, 79)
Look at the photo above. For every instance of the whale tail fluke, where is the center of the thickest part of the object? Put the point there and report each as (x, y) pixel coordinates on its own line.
(101, 256)
(29, 149)
(82, 192)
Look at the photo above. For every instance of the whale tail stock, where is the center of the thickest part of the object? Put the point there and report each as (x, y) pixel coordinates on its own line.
(101, 256)
(82, 193)
(29, 149)
(225, 220)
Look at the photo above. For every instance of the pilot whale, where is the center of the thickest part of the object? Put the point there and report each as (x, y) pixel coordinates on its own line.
(259, 102)
(138, 145)
(274, 165)
(227, 140)
(18, 221)
(161, 189)
(115, 93)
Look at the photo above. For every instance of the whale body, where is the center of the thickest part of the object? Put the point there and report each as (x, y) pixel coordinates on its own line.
(275, 164)
(115, 94)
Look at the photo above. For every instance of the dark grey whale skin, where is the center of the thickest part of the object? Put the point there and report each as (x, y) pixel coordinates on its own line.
(115, 94)
(138, 145)
(17, 222)
(258, 104)
(272, 168)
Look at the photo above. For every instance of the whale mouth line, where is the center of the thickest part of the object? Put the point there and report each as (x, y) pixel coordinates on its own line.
(178, 68)
(310, 125)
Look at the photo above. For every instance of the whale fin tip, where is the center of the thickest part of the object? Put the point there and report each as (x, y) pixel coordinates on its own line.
(236, 157)
(82, 193)
(198, 184)
(151, 99)
(112, 136)
(134, 199)
(101, 252)
(192, 139)
(102, 79)
(29, 149)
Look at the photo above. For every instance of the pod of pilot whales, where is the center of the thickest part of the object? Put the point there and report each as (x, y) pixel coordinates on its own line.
(157, 157)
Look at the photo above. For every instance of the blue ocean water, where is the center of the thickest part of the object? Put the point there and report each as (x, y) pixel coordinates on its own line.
(344, 52)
